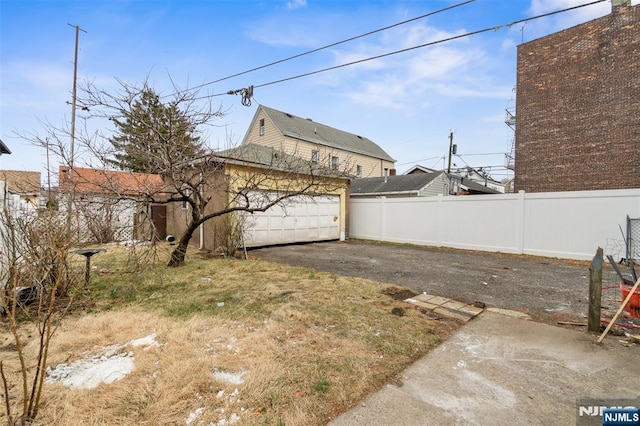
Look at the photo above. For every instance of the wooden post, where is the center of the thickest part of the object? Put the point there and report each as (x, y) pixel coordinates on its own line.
(595, 291)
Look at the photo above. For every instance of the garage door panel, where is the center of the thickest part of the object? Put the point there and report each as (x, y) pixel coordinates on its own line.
(301, 219)
(289, 222)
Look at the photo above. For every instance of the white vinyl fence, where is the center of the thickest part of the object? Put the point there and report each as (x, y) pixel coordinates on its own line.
(569, 225)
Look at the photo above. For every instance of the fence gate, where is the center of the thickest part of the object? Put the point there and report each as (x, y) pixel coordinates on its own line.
(633, 239)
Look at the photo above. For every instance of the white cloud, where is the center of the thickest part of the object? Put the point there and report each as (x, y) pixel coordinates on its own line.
(296, 4)
(276, 32)
(565, 19)
(456, 69)
(43, 75)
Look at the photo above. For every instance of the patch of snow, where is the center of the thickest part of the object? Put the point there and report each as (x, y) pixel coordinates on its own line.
(233, 419)
(111, 365)
(88, 374)
(147, 341)
(194, 415)
(233, 378)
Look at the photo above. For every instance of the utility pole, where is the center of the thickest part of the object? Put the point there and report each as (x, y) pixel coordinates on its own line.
(453, 149)
(73, 99)
(71, 195)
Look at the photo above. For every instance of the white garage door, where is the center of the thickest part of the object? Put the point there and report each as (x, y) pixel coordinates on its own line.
(297, 220)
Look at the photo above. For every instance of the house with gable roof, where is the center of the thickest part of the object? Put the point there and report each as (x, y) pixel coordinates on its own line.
(316, 142)
(110, 205)
(20, 190)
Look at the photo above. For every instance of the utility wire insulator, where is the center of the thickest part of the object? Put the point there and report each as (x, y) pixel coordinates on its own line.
(247, 94)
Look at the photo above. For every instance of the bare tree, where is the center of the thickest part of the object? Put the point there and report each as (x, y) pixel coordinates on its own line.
(245, 179)
(35, 284)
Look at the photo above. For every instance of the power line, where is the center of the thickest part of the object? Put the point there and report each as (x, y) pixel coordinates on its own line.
(417, 161)
(488, 153)
(323, 47)
(436, 163)
(495, 28)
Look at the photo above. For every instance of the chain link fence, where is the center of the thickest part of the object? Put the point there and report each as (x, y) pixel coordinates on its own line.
(626, 253)
(633, 240)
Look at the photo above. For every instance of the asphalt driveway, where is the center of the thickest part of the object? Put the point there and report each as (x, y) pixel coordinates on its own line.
(539, 286)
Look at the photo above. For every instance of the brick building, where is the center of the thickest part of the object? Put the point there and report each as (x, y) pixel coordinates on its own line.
(578, 106)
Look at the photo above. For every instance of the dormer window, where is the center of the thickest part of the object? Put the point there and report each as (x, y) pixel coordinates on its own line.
(334, 163)
(314, 157)
(358, 170)
(261, 130)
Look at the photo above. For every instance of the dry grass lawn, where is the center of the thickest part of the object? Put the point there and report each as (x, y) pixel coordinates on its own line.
(307, 345)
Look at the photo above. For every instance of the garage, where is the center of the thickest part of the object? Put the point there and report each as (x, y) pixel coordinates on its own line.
(296, 220)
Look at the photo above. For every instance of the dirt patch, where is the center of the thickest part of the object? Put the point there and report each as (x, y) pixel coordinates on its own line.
(399, 293)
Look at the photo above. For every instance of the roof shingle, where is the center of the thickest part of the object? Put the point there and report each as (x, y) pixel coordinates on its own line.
(392, 184)
(94, 181)
(21, 182)
(4, 149)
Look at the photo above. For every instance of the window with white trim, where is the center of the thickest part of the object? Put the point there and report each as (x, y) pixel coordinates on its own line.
(334, 162)
(261, 130)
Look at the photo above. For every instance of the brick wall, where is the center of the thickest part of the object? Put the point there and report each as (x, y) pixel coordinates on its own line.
(578, 107)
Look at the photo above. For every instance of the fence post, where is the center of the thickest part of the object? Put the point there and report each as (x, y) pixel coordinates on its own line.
(520, 225)
(383, 216)
(439, 220)
(595, 291)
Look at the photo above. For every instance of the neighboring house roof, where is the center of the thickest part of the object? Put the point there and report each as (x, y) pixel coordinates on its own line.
(476, 175)
(3, 148)
(21, 182)
(266, 157)
(476, 188)
(95, 181)
(399, 184)
(409, 185)
(310, 131)
(419, 169)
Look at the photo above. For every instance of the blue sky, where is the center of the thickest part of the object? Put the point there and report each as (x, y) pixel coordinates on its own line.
(407, 103)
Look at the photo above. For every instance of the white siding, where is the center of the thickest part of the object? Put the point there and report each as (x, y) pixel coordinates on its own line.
(440, 185)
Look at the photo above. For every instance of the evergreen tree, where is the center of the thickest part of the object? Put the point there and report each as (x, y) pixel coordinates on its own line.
(151, 136)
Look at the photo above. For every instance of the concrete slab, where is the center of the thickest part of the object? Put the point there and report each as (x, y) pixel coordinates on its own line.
(453, 313)
(445, 307)
(422, 304)
(452, 304)
(504, 370)
(424, 297)
(437, 300)
(510, 313)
